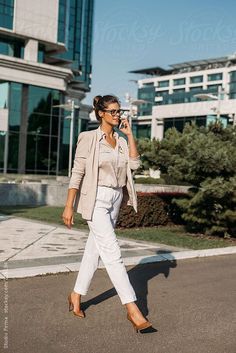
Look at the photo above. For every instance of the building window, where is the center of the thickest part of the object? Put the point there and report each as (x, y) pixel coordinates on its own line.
(196, 79)
(179, 81)
(6, 13)
(196, 88)
(2, 148)
(163, 83)
(142, 131)
(4, 94)
(178, 90)
(11, 47)
(215, 77)
(233, 76)
(44, 135)
(179, 123)
(147, 94)
(232, 85)
(213, 88)
(161, 93)
(41, 53)
(63, 13)
(15, 98)
(86, 35)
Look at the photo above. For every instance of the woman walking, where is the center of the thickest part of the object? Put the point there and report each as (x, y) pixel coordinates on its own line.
(100, 176)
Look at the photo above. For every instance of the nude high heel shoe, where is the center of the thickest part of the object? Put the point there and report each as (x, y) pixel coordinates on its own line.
(139, 328)
(81, 313)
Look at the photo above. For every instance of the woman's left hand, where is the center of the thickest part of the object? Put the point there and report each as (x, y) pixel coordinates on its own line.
(126, 129)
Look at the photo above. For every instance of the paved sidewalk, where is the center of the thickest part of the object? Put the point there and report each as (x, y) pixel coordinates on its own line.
(190, 303)
(30, 248)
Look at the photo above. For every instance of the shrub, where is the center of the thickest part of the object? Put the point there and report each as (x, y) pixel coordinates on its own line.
(205, 158)
(153, 210)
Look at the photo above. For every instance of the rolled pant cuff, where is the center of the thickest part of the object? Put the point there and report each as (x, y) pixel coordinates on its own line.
(128, 300)
(80, 291)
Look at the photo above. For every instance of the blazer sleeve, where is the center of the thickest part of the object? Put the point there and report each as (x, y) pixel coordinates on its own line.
(134, 162)
(78, 169)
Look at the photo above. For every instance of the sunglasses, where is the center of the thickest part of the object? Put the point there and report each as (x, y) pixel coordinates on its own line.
(114, 112)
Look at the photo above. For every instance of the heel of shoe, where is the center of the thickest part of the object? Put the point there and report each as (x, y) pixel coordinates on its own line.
(139, 328)
(81, 314)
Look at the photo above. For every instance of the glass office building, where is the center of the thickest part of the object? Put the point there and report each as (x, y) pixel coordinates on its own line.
(45, 62)
(187, 92)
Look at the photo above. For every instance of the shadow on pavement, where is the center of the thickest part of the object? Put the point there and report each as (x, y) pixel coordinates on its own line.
(139, 276)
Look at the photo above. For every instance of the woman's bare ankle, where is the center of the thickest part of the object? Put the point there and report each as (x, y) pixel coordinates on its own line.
(131, 308)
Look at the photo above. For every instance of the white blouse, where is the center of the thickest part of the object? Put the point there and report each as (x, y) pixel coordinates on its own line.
(112, 171)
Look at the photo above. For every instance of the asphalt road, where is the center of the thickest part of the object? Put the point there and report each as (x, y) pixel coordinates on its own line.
(191, 303)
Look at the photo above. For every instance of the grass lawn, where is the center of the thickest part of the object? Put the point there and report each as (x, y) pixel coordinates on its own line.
(169, 235)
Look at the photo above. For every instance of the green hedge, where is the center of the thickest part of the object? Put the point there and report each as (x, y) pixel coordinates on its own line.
(164, 180)
(153, 209)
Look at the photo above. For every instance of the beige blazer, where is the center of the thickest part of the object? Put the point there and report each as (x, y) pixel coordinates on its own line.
(85, 173)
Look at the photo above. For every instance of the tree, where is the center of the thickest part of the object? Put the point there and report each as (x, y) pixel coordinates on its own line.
(205, 158)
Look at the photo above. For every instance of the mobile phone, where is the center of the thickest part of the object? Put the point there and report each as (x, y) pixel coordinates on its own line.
(121, 123)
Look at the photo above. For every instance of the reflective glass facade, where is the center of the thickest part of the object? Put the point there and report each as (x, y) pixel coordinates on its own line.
(41, 53)
(37, 139)
(4, 94)
(87, 41)
(181, 96)
(38, 132)
(6, 13)
(179, 123)
(75, 24)
(11, 46)
(42, 130)
(15, 109)
(141, 131)
(4, 104)
(63, 21)
(147, 94)
(2, 148)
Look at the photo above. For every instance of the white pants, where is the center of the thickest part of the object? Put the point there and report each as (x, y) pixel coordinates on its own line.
(102, 242)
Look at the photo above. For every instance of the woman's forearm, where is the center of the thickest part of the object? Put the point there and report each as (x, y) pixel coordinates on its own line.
(71, 197)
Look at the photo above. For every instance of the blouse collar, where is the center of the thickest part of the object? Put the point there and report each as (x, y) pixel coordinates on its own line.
(102, 134)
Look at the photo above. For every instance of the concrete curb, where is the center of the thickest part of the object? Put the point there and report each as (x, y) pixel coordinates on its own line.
(129, 261)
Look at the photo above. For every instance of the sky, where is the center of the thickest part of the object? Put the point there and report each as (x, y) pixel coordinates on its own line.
(137, 34)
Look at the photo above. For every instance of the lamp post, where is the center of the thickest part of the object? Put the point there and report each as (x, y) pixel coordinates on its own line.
(70, 106)
(37, 132)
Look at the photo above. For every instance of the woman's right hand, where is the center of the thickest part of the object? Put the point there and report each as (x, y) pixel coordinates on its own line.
(67, 216)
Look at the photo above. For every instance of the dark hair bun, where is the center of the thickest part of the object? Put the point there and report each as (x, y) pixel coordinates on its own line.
(101, 102)
(96, 100)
